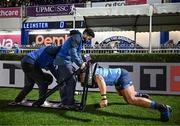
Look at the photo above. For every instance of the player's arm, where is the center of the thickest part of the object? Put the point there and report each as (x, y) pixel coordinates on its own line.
(74, 54)
(52, 50)
(102, 87)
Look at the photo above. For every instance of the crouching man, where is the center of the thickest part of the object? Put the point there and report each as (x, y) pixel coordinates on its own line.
(122, 81)
(32, 65)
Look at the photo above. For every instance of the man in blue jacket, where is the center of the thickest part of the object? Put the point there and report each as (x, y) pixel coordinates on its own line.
(69, 54)
(32, 65)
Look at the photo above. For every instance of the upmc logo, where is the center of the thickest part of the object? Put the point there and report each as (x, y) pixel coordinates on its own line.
(153, 78)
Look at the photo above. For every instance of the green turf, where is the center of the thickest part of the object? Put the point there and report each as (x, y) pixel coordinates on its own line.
(117, 113)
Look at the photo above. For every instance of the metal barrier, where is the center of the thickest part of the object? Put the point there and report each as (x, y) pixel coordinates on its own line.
(10, 51)
(104, 48)
(110, 51)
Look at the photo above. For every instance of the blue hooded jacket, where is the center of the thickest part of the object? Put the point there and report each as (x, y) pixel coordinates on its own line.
(43, 57)
(71, 50)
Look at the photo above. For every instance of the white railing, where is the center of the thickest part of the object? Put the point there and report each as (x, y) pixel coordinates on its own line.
(105, 51)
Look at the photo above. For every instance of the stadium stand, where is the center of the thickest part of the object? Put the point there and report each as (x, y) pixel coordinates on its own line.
(18, 3)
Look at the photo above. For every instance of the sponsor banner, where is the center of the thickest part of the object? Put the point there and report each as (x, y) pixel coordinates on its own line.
(135, 2)
(8, 41)
(52, 10)
(123, 2)
(12, 75)
(119, 42)
(109, 4)
(10, 12)
(152, 78)
(47, 39)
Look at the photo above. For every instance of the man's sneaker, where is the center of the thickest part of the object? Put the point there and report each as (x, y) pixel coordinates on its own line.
(38, 103)
(58, 105)
(46, 104)
(18, 103)
(166, 113)
(78, 93)
(23, 101)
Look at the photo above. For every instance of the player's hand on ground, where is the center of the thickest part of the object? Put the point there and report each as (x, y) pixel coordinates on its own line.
(103, 103)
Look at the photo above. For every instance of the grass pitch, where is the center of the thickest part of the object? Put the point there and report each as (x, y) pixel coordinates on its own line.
(117, 113)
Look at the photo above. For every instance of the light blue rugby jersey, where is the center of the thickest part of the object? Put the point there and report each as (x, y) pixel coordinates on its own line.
(110, 75)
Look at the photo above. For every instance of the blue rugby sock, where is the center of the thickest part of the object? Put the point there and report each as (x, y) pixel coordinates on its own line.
(160, 107)
(154, 105)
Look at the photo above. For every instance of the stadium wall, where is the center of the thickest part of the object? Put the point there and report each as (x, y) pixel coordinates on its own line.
(152, 78)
